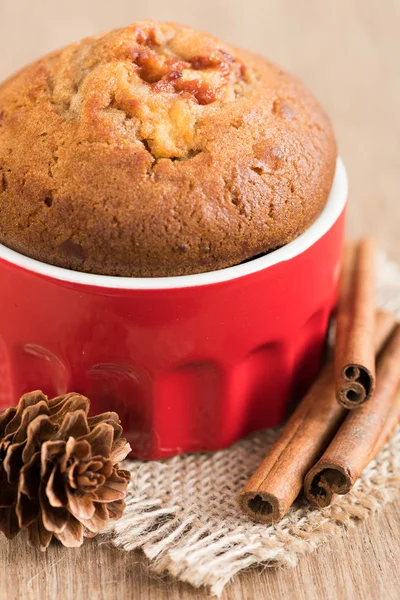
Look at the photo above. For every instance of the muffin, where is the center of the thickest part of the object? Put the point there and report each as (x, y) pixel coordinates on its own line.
(157, 150)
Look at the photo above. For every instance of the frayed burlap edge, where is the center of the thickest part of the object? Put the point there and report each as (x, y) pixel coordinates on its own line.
(182, 511)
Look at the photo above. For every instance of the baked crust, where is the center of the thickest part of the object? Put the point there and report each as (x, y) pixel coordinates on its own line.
(157, 150)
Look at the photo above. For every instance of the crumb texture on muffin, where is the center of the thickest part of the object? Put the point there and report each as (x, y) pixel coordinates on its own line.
(157, 150)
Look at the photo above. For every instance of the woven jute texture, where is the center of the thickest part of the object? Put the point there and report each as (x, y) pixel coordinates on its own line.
(182, 511)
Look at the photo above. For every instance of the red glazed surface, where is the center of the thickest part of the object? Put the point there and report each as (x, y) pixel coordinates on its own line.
(190, 367)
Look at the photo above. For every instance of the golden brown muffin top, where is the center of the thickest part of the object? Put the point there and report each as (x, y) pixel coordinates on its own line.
(156, 80)
(158, 150)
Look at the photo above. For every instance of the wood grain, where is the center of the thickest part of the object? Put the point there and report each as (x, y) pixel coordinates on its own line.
(348, 54)
(362, 564)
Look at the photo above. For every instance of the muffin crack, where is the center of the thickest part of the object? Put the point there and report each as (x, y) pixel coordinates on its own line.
(159, 77)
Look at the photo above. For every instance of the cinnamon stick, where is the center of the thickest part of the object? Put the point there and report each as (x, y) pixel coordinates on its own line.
(270, 492)
(362, 434)
(354, 351)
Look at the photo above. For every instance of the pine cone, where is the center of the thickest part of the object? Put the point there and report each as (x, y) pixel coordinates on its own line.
(59, 470)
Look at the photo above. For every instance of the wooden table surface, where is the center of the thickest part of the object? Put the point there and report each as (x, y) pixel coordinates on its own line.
(348, 53)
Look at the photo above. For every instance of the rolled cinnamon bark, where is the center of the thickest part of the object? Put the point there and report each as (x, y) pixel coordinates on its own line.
(361, 435)
(354, 350)
(270, 492)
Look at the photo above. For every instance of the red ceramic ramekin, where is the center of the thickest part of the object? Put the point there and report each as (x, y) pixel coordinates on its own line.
(189, 363)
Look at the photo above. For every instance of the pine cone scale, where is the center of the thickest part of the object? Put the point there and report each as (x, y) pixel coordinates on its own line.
(100, 439)
(26, 401)
(38, 536)
(55, 490)
(29, 476)
(69, 403)
(98, 521)
(74, 424)
(31, 417)
(75, 450)
(7, 492)
(38, 431)
(115, 509)
(27, 510)
(5, 417)
(118, 452)
(54, 519)
(13, 461)
(28, 505)
(80, 506)
(50, 451)
(114, 488)
(73, 534)
(110, 418)
(9, 522)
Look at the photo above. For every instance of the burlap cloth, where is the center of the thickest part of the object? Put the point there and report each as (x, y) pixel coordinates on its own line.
(182, 511)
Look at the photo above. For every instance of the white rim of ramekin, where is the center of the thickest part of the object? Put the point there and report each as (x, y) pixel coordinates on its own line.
(329, 215)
